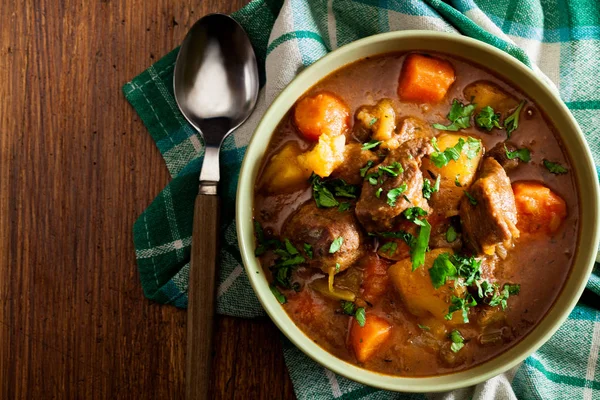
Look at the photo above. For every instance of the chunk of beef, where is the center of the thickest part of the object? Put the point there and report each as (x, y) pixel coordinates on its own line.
(354, 159)
(490, 225)
(319, 227)
(374, 212)
(499, 154)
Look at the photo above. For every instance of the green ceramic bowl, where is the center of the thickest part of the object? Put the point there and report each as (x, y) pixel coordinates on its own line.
(509, 69)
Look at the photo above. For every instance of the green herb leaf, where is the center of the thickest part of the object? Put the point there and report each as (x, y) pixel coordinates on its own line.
(412, 214)
(363, 170)
(472, 199)
(371, 144)
(451, 234)
(473, 148)
(522, 154)
(456, 181)
(360, 316)
(378, 192)
(461, 304)
(418, 249)
(442, 158)
(336, 245)
(458, 342)
(393, 194)
(289, 247)
(344, 206)
(389, 248)
(424, 327)
(278, 295)
(324, 192)
(441, 270)
(428, 190)
(394, 169)
(308, 250)
(555, 168)
(459, 115)
(502, 297)
(372, 122)
(337, 267)
(511, 123)
(488, 119)
(347, 307)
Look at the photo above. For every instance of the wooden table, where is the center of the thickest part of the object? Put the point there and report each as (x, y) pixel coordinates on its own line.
(76, 168)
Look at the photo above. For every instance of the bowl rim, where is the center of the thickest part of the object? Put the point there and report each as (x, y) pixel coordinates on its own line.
(470, 376)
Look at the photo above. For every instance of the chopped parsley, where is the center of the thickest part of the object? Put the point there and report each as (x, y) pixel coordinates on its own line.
(371, 144)
(441, 158)
(344, 206)
(555, 168)
(522, 154)
(441, 270)
(488, 119)
(458, 341)
(472, 199)
(347, 307)
(502, 297)
(393, 194)
(450, 267)
(336, 245)
(459, 116)
(360, 316)
(389, 248)
(456, 181)
(428, 190)
(511, 123)
(378, 192)
(424, 327)
(325, 192)
(337, 267)
(412, 214)
(394, 169)
(417, 251)
(451, 234)
(473, 148)
(461, 304)
(372, 122)
(308, 250)
(363, 170)
(278, 295)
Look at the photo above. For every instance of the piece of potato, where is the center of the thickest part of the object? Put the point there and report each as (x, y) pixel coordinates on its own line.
(366, 340)
(425, 79)
(323, 113)
(418, 294)
(380, 119)
(463, 170)
(283, 173)
(485, 93)
(325, 157)
(539, 209)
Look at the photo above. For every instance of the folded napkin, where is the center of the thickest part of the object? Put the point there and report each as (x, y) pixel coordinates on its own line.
(561, 37)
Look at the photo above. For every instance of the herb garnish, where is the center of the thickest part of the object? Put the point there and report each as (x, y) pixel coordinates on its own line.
(325, 191)
(488, 119)
(389, 248)
(360, 316)
(459, 117)
(457, 341)
(336, 245)
(308, 250)
(278, 295)
(555, 168)
(344, 206)
(363, 170)
(502, 297)
(451, 234)
(461, 304)
(378, 192)
(347, 307)
(450, 267)
(428, 190)
(424, 327)
(373, 120)
(371, 144)
(456, 181)
(511, 123)
(442, 158)
(393, 194)
(418, 246)
(522, 154)
(472, 199)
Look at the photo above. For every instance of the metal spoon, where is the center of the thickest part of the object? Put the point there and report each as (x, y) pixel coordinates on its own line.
(216, 87)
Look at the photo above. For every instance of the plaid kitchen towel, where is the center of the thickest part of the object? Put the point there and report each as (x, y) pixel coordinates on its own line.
(560, 37)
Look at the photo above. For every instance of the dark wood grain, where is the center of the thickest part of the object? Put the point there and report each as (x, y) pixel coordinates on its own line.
(201, 297)
(76, 168)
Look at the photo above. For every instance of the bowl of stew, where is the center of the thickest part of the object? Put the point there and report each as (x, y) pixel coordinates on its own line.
(417, 211)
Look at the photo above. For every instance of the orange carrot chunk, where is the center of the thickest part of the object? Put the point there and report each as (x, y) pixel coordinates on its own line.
(323, 113)
(425, 79)
(366, 340)
(539, 209)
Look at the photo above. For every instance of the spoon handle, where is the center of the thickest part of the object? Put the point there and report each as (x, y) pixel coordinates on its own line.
(201, 297)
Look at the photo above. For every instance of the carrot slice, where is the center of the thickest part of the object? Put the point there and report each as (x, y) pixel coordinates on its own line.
(539, 209)
(425, 79)
(323, 113)
(366, 340)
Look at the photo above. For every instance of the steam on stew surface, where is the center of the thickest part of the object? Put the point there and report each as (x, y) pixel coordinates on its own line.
(415, 214)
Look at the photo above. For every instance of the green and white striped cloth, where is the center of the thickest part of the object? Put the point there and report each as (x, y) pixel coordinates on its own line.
(561, 37)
